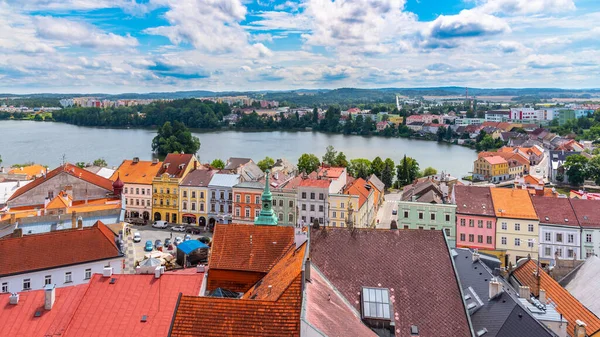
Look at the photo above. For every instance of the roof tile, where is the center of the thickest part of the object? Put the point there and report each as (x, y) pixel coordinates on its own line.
(141, 172)
(513, 203)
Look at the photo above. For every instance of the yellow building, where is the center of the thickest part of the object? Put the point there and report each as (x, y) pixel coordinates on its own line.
(491, 168)
(165, 186)
(517, 224)
(193, 197)
(342, 208)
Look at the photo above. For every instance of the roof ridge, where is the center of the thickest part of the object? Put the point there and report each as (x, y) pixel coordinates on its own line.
(103, 228)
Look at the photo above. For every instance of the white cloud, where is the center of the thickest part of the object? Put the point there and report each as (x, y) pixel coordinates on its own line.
(468, 23)
(514, 7)
(80, 34)
(511, 46)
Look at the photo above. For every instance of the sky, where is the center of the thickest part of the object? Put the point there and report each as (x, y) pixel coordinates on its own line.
(115, 46)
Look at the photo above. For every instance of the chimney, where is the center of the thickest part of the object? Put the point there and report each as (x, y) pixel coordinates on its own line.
(136, 160)
(69, 190)
(13, 299)
(524, 292)
(107, 272)
(49, 296)
(195, 164)
(157, 272)
(475, 256)
(80, 223)
(17, 233)
(154, 160)
(13, 219)
(74, 219)
(307, 269)
(579, 329)
(495, 288)
(542, 296)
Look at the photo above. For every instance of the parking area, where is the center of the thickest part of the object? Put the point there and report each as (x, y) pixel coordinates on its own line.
(149, 233)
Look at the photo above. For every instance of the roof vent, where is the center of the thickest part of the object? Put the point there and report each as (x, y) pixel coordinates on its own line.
(181, 166)
(414, 330)
(113, 280)
(37, 314)
(144, 318)
(107, 272)
(13, 299)
(566, 220)
(482, 332)
(547, 219)
(136, 159)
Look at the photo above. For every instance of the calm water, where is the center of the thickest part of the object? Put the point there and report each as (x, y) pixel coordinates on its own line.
(45, 143)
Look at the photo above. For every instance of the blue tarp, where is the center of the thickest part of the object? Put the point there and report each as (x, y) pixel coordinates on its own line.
(191, 245)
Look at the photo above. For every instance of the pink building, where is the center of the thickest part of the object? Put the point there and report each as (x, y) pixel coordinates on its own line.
(425, 118)
(475, 217)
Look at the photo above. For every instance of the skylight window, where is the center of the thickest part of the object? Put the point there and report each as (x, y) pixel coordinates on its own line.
(376, 303)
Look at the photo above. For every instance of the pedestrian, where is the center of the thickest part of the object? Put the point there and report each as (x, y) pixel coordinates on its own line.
(171, 235)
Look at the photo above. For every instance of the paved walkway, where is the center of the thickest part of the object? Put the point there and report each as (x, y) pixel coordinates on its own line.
(384, 215)
(129, 252)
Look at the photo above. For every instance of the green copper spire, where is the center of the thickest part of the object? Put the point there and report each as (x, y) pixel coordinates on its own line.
(266, 216)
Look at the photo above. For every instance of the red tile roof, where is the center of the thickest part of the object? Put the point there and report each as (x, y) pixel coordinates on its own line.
(495, 160)
(513, 203)
(141, 172)
(555, 211)
(19, 320)
(172, 162)
(30, 171)
(116, 309)
(422, 281)
(474, 200)
(271, 308)
(70, 169)
(55, 249)
(331, 172)
(587, 212)
(357, 187)
(249, 247)
(565, 303)
(318, 183)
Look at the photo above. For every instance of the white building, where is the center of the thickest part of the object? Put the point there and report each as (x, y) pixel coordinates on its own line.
(220, 197)
(313, 200)
(530, 114)
(588, 215)
(63, 258)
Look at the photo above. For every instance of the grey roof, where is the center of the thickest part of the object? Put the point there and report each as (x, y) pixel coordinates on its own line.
(233, 163)
(198, 178)
(224, 180)
(502, 316)
(376, 182)
(561, 156)
(251, 171)
(425, 191)
(251, 184)
(584, 281)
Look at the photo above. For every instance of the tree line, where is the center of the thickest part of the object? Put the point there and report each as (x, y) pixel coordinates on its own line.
(579, 169)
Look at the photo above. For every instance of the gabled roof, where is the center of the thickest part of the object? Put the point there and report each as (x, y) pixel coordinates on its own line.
(69, 169)
(30, 170)
(555, 211)
(140, 172)
(249, 247)
(233, 163)
(424, 191)
(198, 178)
(62, 200)
(501, 316)
(358, 187)
(584, 281)
(317, 183)
(587, 212)
(376, 182)
(565, 303)
(224, 180)
(495, 160)
(422, 282)
(513, 203)
(474, 200)
(55, 249)
(172, 162)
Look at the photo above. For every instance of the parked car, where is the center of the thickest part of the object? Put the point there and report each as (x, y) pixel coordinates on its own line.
(160, 224)
(394, 212)
(148, 247)
(137, 237)
(204, 239)
(178, 228)
(157, 244)
(193, 229)
(167, 242)
(187, 237)
(178, 240)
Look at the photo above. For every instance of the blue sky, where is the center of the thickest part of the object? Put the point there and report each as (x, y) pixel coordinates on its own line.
(117, 46)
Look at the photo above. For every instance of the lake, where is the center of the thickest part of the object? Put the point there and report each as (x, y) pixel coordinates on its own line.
(47, 142)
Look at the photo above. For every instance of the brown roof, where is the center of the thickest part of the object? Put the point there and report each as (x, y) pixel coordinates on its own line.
(474, 200)
(198, 178)
(587, 212)
(249, 247)
(172, 162)
(513, 203)
(271, 308)
(566, 304)
(555, 211)
(415, 265)
(70, 169)
(233, 163)
(140, 172)
(56, 249)
(319, 183)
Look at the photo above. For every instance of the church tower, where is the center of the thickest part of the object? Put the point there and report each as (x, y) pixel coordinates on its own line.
(266, 217)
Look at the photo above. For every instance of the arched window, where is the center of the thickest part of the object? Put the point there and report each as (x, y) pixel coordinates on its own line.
(291, 218)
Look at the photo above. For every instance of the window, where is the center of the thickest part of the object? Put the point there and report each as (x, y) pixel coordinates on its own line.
(559, 237)
(517, 242)
(280, 203)
(320, 208)
(222, 208)
(447, 217)
(185, 205)
(342, 215)
(155, 191)
(312, 208)
(304, 207)
(274, 202)
(320, 220)
(222, 195)
(462, 237)
(303, 219)
(147, 191)
(256, 212)
(68, 277)
(342, 224)
(471, 238)
(530, 243)
(230, 196)
(471, 223)
(303, 195)
(193, 206)
(530, 228)
(185, 194)
(47, 280)
(290, 203)
(201, 207)
(559, 252)
(201, 195)
(137, 202)
(421, 215)
(161, 202)
(334, 215)
(26, 284)
(570, 253)
(462, 222)
(432, 228)
(212, 207)
(193, 194)
(504, 226)
(237, 198)
(126, 190)
(312, 196)
(547, 251)
(162, 190)
(447, 231)
(147, 202)
(168, 202)
(257, 199)
(334, 224)
(588, 237)
(570, 238)
(489, 224)
(376, 303)
(321, 196)
(479, 238)
(488, 240)
(517, 226)
(405, 214)
(548, 236)
(589, 252)
(174, 191)
(480, 223)
(341, 205)
(290, 218)
(168, 191)
(4, 287)
(247, 212)
(280, 216)
(503, 240)
(88, 272)
(432, 215)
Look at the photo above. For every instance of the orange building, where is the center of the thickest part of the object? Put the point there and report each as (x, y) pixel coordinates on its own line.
(246, 202)
(29, 172)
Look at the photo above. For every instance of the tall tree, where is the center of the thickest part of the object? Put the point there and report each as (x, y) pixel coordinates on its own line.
(340, 160)
(308, 163)
(594, 169)
(577, 169)
(429, 171)
(218, 164)
(359, 168)
(266, 163)
(377, 167)
(174, 138)
(330, 156)
(441, 133)
(448, 134)
(387, 175)
(407, 171)
(100, 162)
(315, 116)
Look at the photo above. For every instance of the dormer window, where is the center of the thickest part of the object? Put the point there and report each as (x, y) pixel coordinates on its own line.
(376, 303)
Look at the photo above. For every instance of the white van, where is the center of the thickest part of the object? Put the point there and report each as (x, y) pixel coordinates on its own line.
(160, 224)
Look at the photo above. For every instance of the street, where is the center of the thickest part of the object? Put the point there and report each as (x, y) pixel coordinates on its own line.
(384, 215)
(542, 167)
(150, 233)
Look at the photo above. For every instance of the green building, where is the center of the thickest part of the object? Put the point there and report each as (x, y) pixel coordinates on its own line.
(266, 215)
(425, 216)
(564, 115)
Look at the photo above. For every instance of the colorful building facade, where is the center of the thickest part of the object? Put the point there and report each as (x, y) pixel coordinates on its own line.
(193, 197)
(475, 217)
(419, 215)
(137, 175)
